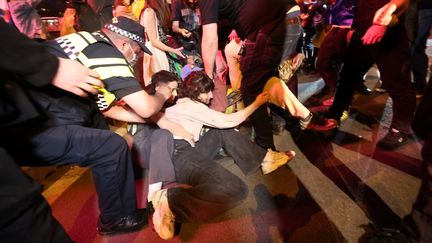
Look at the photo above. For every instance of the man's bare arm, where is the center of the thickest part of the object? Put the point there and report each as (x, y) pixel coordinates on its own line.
(209, 47)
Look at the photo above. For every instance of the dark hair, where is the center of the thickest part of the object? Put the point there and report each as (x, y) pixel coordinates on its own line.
(194, 84)
(161, 77)
(162, 10)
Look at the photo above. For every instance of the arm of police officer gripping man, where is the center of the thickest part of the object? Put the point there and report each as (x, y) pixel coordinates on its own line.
(209, 47)
(147, 105)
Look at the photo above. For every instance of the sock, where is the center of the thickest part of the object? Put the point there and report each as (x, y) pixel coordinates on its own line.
(305, 121)
(152, 189)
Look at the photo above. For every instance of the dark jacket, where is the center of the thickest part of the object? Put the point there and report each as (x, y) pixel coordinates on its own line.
(23, 63)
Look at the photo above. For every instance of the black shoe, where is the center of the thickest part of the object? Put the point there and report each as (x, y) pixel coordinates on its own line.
(376, 234)
(362, 89)
(393, 140)
(126, 224)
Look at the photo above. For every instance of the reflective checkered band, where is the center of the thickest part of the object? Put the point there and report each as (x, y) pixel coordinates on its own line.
(102, 102)
(124, 33)
(71, 51)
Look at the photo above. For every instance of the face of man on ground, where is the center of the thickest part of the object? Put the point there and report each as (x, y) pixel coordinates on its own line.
(206, 97)
(173, 86)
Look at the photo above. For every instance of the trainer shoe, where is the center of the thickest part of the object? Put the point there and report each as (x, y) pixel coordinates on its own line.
(125, 224)
(163, 218)
(393, 140)
(273, 160)
(328, 102)
(317, 123)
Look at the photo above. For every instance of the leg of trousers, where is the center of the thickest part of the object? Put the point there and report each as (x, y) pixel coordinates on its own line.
(418, 50)
(246, 154)
(262, 56)
(25, 214)
(104, 151)
(358, 59)
(393, 61)
(154, 148)
(331, 54)
(213, 190)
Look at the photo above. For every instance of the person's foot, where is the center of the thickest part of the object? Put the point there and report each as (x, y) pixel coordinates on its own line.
(362, 89)
(163, 218)
(273, 160)
(328, 102)
(376, 234)
(125, 224)
(393, 140)
(317, 123)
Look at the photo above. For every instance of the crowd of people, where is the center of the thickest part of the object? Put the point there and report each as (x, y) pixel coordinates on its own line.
(129, 61)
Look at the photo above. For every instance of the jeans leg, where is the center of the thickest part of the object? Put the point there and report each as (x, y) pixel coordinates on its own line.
(213, 190)
(418, 49)
(154, 148)
(246, 154)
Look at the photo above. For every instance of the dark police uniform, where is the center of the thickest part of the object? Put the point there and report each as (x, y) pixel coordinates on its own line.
(71, 137)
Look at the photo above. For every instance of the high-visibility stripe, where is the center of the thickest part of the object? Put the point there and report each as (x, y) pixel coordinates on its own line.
(113, 71)
(94, 62)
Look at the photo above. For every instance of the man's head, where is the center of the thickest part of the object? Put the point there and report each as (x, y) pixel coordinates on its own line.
(197, 86)
(164, 78)
(128, 36)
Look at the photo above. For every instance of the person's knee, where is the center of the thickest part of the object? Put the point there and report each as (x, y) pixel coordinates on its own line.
(239, 190)
(242, 191)
(115, 143)
(162, 137)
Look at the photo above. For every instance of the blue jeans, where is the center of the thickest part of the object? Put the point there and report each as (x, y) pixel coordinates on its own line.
(214, 189)
(154, 148)
(419, 58)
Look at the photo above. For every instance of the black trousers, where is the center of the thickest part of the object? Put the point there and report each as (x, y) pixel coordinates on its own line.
(25, 214)
(392, 58)
(262, 56)
(104, 151)
(331, 55)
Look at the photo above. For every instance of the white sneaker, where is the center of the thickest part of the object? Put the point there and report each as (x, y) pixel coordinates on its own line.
(163, 218)
(273, 160)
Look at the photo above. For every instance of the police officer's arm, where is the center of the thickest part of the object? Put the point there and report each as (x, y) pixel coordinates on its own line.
(121, 113)
(209, 47)
(146, 105)
(35, 65)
